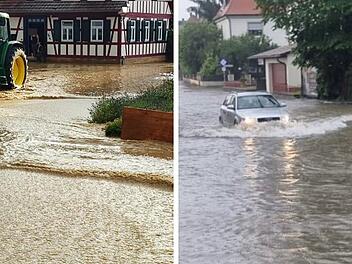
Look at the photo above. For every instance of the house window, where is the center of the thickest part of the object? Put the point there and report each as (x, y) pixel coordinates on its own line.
(147, 31)
(97, 30)
(67, 30)
(255, 28)
(133, 31)
(160, 30)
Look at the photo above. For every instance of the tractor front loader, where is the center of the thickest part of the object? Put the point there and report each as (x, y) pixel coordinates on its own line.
(13, 61)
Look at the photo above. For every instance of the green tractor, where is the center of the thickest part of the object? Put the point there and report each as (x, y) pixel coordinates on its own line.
(13, 61)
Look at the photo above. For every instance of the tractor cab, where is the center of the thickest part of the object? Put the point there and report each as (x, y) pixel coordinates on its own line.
(4, 27)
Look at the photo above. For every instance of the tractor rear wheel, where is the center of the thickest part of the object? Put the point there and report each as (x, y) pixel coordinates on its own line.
(16, 68)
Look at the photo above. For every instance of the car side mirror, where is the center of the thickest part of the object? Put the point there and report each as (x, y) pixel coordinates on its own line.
(283, 105)
(232, 107)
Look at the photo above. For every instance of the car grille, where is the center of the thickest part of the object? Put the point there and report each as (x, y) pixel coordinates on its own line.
(268, 119)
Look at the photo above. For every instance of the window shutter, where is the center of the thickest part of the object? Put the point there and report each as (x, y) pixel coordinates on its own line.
(85, 30)
(138, 30)
(151, 31)
(143, 30)
(57, 30)
(128, 31)
(164, 30)
(156, 22)
(77, 31)
(107, 31)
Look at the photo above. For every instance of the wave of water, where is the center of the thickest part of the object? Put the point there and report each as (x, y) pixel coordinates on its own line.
(294, 129)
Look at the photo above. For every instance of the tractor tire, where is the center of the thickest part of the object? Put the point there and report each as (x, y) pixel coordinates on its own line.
(16, 68)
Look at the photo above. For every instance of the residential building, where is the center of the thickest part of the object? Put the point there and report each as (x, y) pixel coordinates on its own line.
(281, 75)
(106, 30)
(239, 17)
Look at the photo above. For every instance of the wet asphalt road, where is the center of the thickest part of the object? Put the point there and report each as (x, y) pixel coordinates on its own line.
(269, 194)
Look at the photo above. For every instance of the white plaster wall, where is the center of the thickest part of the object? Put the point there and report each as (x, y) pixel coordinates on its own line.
(294, 76)
(63, 49)
(50, 49)
(224, 25)
(78, 49)
(85, 50)
(100, 50)
(278, 36)
(70, 49)
(13, 24)
(239, 26)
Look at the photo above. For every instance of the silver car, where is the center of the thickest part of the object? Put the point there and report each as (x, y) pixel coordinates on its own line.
(251, 108)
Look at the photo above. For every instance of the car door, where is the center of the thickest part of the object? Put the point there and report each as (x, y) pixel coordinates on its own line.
(229, 110)
(223, 110)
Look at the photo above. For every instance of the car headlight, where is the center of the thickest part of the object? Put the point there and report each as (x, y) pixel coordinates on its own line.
(285, 118)
(250, 121)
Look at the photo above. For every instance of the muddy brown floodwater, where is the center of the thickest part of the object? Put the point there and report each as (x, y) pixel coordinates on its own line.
(71, 195)
(266, 194)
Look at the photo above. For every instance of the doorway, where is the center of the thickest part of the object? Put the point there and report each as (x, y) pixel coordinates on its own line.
(35, 37)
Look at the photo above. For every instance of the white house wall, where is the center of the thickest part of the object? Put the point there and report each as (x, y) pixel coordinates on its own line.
(16, 24)
(278, 36)
(117, 45)
(294, 75)
(224, 25)
(238, 25)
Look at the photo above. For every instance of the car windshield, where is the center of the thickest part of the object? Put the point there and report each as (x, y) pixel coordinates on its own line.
(257, 101)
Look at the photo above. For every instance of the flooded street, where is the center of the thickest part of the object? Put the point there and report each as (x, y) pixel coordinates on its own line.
(46, 219)
(68, 193)
(56, 80)
(269, 194)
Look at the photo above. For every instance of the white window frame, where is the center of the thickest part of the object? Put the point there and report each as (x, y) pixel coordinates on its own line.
(160, 30)
(166, 31)
(133, 30)
(67, 28)
(96, 29)
(260, 29)
(147, 30)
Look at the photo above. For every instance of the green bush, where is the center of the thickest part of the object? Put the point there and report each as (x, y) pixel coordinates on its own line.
(114, 129)
(196, 41)
(157, 98)
(210, 66)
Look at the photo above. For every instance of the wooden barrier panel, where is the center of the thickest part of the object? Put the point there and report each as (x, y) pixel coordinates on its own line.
(140, 124)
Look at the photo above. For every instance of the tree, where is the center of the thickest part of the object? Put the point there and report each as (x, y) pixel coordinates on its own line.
(206, 9)
(196, 41)
(210, 67)
(236, 50)
(322, 32)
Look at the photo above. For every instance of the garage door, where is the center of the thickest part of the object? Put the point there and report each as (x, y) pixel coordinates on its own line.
(279, 77)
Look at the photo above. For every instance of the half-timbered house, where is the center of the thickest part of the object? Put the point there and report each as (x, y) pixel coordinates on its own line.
(106, 30)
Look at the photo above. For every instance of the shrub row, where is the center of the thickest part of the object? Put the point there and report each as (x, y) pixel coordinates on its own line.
(156, 98)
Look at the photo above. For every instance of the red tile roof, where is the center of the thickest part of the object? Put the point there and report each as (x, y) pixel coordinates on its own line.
(239, 8)
(57, 7)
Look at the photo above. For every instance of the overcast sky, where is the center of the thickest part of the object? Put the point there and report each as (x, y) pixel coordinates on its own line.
(183, 5)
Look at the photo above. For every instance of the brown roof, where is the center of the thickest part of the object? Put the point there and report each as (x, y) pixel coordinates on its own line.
(57, 7)
(274, 53)
(239, 8)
